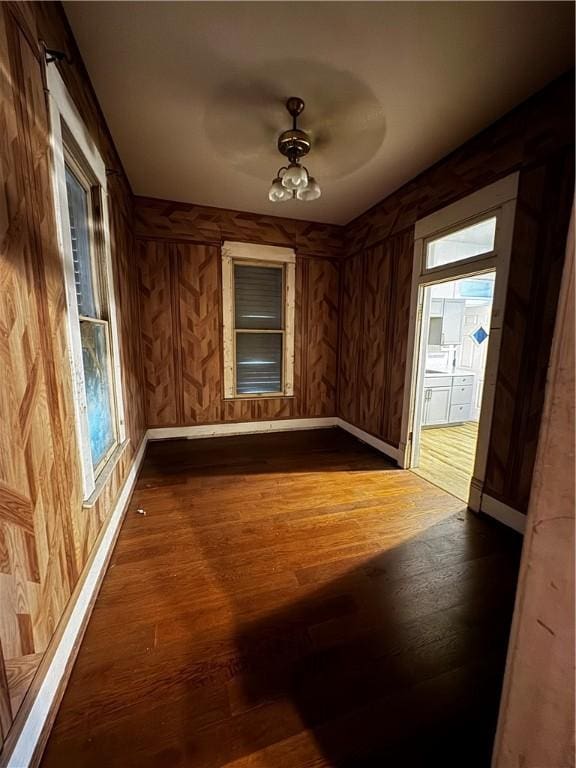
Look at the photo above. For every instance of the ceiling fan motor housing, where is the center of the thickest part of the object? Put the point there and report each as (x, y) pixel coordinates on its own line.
(294, 144)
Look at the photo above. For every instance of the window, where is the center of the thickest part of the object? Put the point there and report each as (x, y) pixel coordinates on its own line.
(80, 195)
(465, 243)
(258, 300)
(92, 316)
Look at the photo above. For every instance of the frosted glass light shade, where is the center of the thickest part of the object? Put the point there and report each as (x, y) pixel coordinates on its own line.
(310, 192)
(295, 177)
(278, 193)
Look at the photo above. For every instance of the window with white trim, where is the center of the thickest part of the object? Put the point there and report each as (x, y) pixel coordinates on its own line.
(82, 217)
(258, 331)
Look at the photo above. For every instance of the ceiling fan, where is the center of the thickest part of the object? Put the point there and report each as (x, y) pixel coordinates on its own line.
(294, 181)
(342, 126)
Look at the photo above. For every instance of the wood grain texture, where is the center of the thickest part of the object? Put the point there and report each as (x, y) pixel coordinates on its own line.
(199, 306)
(351, 322)
(181, 321)
(46, 536)
(447, 457)
(159, 346)
(321, 341)
(544, 199)
(536, 139)
(318, 626)
(166, 219)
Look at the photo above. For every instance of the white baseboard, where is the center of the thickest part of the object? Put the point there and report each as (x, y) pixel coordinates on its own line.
(40, 711)
(240, 428)
(503, 513)
(280, 425)
(366, 437)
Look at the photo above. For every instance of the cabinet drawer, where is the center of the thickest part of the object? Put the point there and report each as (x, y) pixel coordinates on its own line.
(463, 381)
(437, 381)
(460, 412)
(461, 395)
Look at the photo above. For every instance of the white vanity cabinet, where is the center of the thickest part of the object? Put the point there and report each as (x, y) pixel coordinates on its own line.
(436, 405)
(447, 399)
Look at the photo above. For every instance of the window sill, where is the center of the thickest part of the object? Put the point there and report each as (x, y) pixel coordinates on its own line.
(272, 395)
(105, 475)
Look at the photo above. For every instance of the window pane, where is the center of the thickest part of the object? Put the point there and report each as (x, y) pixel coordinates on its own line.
(258, 297)
(95, 356)
(258, 363)
(78, 212)
(463, 244)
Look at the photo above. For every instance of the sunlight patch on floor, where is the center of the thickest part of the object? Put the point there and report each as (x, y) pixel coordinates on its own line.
(447, 457)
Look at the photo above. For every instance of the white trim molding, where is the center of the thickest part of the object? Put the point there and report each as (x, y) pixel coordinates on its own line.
(52, 687)
(503, 513)
(65, 120)
(366, 437)
(498, 200)
(492, 196)
(263, 255)
(255, 252)
(280, 425)
(240, 428)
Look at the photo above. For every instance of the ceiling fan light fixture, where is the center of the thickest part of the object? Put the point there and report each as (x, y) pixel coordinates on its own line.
(312, 191)
(278, 192)
(294, 181)
(295, 177)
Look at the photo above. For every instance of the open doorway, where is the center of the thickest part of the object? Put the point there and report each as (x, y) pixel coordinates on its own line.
(455, 336)
(459, 287)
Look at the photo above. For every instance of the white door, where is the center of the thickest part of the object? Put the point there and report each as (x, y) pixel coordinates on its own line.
(436, 405)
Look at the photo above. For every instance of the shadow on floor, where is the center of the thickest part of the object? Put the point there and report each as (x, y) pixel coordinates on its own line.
(394, 663)
(320, 451)
(344, 613)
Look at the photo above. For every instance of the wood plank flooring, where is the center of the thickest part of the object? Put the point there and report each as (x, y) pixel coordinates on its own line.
(447, 457)
(291, 601)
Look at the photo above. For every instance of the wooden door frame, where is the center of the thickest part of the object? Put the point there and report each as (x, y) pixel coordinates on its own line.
(499, 199)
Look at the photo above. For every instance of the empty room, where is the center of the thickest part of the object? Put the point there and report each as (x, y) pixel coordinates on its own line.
(287, 384)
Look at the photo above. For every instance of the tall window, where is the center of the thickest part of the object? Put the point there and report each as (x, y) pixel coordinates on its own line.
(81, 203)
(92, 313)
(258, 300)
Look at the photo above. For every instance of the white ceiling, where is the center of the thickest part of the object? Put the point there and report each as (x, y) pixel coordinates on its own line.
(193, 92)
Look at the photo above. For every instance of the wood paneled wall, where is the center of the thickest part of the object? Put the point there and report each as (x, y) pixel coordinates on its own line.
(168, 220)
(180, 294)
(46, 535)
(536, 139)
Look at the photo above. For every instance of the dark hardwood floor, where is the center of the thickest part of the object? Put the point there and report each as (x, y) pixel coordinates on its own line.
(288, 601)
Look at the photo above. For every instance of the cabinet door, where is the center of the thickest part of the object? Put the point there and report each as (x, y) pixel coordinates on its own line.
(452, 321)
(436, 405)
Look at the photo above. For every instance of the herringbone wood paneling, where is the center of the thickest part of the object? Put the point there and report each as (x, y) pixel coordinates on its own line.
(46, 536)
(183, 221)
(321, 337)
(199, 319)
(180, 308)
(372, 391)
(543, 210)
(157, 324)
(536, 139)
(351, 309)
(401, 247)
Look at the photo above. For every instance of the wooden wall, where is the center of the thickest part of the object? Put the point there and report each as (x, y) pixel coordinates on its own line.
(536, 139)
(46, 535)
(180, 309)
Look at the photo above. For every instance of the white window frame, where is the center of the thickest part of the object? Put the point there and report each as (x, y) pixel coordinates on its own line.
(65, 119)
(259, 255)
(497, 199)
